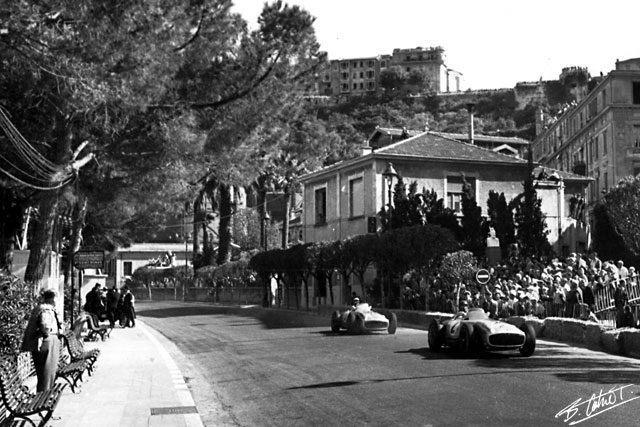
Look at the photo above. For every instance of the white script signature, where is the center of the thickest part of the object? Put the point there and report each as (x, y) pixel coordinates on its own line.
(582, 410)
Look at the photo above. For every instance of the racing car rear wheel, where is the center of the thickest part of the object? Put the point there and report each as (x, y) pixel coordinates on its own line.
(393, 323)
(435, 336)
(529, 340)
(465, 341)
(335, 321)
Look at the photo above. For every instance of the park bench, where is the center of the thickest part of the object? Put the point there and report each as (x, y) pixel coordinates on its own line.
(95, 329)
(19, 405)
(71, 371)
(77, 352)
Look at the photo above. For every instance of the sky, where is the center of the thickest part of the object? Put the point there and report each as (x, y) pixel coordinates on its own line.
(493, 43)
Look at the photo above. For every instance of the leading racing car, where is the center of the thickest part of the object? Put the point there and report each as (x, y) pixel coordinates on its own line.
(474, 331)
(361, 318)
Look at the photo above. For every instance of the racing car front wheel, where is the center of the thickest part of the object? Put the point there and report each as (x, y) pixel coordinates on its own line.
(393, 324)
(355, 323)
(465, 341)
(335, 321)
(529, 345)
(434, 336)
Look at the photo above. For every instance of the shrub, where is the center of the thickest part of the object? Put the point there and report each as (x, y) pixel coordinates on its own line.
(18, 300)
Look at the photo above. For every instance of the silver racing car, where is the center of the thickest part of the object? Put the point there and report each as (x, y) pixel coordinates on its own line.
(361, 319)
(474, 332)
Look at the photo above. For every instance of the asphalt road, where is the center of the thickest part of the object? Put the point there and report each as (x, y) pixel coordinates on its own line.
(265, 369)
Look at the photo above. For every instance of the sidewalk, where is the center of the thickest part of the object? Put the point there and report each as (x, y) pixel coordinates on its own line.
(135, 383)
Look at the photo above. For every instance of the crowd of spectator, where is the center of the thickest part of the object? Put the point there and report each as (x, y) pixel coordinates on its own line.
(580, 286)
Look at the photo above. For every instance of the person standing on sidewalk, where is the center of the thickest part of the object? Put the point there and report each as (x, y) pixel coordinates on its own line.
(113, 297)
(128, 318)
(41, 338)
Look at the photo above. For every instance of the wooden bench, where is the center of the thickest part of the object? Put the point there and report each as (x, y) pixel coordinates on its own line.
(18, 404)
(77, 352)
(95, 329)
(71, 371)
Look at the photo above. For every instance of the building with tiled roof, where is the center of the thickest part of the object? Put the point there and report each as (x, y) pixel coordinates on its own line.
(344, 199)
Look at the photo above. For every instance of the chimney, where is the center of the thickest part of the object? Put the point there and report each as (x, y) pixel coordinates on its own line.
(470, 107)
(365, 148)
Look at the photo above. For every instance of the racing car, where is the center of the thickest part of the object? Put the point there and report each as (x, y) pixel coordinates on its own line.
(361, 319)
(473, 331)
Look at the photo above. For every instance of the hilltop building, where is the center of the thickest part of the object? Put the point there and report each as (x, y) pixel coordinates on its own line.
(361, 76)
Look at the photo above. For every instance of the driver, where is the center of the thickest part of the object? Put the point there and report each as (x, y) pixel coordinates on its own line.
(355, 302)
(463, 306)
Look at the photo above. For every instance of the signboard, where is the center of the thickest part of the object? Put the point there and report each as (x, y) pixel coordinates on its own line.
(89, 259)
(482, 276)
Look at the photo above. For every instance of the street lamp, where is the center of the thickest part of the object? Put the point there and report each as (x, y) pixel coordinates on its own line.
(265, 219)
(388, 174)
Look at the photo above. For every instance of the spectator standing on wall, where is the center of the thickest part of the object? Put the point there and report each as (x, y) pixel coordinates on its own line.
(620, 300)
(41, 338)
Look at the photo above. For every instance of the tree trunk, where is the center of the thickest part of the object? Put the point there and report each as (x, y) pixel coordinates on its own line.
(285, 221)
(330, 284)
(224, 234)
(40, 248)
(198, 220)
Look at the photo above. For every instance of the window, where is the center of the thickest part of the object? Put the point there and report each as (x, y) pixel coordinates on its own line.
(606, 181)
(361, 64)
(383, 64)
(370, 74)
(636, 136)
(361, 75)
(604, 98)
(604, 142)
(372, 64)
(356, 197)
(454, 191)
(127, 266)
(371, 85)
(636, 92)
(345, 87)
(345, 76)
(355, 86)
(321, 206)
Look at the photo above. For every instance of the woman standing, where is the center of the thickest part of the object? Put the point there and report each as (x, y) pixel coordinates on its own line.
(41, 338)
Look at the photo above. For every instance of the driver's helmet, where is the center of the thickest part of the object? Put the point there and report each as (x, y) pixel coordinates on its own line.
(356, 301)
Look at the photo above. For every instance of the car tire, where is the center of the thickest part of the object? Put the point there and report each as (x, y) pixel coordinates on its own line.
(393, 324)
(435, 336)
(466, 341)
(529, 345)
(335, 321)
(355, 323)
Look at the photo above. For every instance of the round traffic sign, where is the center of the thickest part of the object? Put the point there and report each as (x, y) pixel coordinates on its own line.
(482, 276)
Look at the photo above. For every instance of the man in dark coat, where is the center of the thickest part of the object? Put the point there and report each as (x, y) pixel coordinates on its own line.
(113, 296)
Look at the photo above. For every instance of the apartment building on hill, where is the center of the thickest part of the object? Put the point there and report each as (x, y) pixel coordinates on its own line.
(361, 76)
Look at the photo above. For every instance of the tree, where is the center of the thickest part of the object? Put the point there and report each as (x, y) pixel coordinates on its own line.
(474, 228)
(99, 68)
(392, 79)
(501, 219)
(619, 211)
(531, 225)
